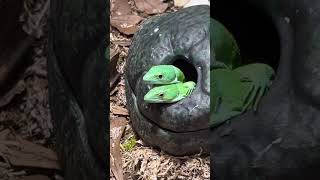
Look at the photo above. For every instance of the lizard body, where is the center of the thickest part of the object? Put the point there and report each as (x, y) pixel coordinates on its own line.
(229, 97)
(164, 74)
(169, 93)
(260, 75)
(235, 91)
(235, 87)
(224, 45)
(172, 83)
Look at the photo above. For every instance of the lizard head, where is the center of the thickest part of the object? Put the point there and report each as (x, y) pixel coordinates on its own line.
(161, 74)
(162, 94)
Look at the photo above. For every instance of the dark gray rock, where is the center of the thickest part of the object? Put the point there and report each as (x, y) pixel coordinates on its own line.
(182, 39)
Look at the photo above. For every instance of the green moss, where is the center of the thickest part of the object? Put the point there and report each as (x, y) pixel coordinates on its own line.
(129, 144)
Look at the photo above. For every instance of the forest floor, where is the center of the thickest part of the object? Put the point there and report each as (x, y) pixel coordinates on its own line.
(139, 161)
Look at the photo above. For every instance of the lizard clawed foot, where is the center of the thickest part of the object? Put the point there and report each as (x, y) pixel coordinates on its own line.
(260, 75)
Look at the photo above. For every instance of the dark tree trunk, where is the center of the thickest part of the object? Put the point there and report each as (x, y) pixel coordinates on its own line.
(78, 85)
(14, 45)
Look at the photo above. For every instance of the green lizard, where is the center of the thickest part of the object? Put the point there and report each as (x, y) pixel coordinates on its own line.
(234, 89)
(260, 75)
(224, 45)
(169, 74)
(164, 74)
(230, 95)
(169, 93)
(172, 83)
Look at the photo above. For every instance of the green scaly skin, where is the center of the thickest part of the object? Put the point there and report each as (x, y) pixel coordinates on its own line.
(227, 52)
(164, 74)
(173, 87)
(235, 88)
(260, 76)
(230, 95)
(235, 91)
(169, 93)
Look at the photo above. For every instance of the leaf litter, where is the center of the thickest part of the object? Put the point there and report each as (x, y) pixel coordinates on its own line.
(123, 18)
(117, 127)
(26, 139)
(140, 161)
(151, 6)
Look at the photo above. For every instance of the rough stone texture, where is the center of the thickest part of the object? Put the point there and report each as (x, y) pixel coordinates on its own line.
(78, 85)
(180, 128)
(281, 141)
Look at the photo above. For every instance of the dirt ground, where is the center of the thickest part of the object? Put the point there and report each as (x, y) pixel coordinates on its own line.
(139, 161)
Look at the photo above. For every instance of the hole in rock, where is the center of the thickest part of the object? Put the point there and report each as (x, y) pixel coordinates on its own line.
(187, 68)
(253, 30)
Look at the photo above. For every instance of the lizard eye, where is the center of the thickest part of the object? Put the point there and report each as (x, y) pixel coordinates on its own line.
(160, 76)
(161, 94)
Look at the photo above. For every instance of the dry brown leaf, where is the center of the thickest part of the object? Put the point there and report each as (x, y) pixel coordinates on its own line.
(124, 43)
(25, 153)
(151, 6)
(126, 24)
(119, 110)
(180, 3)
(117, 128)
(120, 7)
(34, 177)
